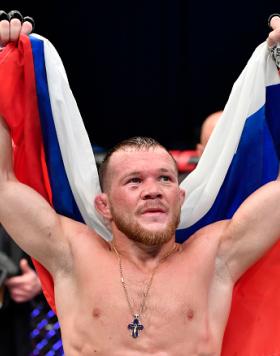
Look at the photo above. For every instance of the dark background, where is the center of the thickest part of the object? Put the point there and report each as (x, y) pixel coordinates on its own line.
(154, 68)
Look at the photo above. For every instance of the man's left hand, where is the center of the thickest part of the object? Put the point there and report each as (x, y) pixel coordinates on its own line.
(274, 35)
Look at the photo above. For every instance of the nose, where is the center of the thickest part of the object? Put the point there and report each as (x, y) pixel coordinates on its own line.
(151, 190)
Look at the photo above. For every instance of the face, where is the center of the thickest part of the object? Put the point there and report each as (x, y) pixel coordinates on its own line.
(144, 196)
(207, 129)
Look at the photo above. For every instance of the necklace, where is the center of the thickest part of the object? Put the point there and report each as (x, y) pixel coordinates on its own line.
(136, 326)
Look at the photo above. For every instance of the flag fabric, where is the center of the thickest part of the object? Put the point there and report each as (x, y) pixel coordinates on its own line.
(48, 135)
(54, 156)
(243, 151)
(242, 155)
(18, 105)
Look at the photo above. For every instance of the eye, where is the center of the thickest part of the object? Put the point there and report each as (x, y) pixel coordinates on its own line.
(164, 178)
(134, 180)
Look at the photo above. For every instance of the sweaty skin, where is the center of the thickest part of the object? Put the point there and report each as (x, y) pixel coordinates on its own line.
(186, 310)
(189, 300)
(188, 303)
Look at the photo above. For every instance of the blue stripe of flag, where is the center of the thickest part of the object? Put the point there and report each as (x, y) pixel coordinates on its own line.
(63, 199)
(255, 163)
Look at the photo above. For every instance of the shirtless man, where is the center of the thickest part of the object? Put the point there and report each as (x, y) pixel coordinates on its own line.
(180, 294)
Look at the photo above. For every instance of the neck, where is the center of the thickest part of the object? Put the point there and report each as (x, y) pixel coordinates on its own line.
(143, 256)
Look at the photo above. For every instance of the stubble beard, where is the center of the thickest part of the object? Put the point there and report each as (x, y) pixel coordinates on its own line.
(134, 231)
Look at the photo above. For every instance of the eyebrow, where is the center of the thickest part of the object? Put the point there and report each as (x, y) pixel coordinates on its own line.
(165, 170)
(135, 173)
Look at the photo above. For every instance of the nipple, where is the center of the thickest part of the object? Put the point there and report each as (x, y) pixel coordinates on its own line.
(190, 314)
(96, 313)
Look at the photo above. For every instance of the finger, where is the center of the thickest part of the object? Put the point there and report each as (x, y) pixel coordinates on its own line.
(19, 297)
(15, 18)
(24, 266)
(28, 25)
(26, 28)
(24, 293)
(31, 20)
(14, 281)
(273, 37)
(4, 32)
(4, 27)
(15, 28)
(274, 21)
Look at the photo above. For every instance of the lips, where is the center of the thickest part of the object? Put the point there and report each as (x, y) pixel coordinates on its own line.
(152, 209)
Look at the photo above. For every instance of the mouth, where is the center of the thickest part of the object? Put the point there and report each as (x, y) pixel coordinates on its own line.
(153, 211)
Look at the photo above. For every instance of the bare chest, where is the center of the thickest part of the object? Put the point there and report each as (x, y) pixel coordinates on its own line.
(97, 313)
(173, 309)
(172, 288)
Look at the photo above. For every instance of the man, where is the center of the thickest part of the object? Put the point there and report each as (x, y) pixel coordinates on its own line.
(206, 129)
(187, 160)
(118, 298)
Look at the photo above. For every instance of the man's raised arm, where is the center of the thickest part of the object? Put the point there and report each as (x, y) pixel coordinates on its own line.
(25, 214)
(255, 226)
(252, 231)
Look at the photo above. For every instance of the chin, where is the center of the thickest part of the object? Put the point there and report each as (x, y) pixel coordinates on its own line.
(149, 233)
(151, 236)
(154, 227)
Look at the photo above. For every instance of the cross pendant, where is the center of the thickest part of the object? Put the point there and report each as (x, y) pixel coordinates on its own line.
(135, 326)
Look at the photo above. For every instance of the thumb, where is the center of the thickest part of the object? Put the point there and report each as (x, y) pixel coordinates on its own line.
(24, 266)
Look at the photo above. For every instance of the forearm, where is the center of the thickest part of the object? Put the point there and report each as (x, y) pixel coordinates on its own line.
(6, 153)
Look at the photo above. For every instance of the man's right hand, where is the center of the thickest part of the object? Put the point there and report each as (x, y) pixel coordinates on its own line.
(11, 30)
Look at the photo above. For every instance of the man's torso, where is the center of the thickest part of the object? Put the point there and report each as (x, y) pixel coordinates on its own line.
(185, 311)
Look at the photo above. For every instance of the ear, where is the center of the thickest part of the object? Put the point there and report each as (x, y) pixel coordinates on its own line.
(102, 206)
(182, 196)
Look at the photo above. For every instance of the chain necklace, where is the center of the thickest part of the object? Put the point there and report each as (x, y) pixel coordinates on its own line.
(136, 326)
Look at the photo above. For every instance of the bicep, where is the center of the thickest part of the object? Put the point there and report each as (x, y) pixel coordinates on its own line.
(31, 222)
(252, 231)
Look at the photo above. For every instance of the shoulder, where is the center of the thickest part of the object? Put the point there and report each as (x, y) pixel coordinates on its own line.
(209, 235)
(80, 233)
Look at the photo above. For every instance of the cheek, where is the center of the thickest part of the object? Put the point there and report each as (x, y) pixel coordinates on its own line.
(176, 200)
(122, 201)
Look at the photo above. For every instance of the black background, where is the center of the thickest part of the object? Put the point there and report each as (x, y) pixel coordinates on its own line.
(154, 68)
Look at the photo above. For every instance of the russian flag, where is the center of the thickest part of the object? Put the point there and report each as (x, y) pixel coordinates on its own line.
(242, 155)
(52, 151)
(54, 156)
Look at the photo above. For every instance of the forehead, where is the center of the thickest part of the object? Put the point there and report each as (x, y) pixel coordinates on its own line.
(130, 159)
